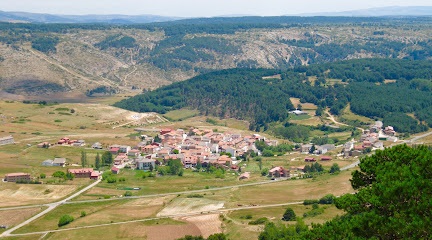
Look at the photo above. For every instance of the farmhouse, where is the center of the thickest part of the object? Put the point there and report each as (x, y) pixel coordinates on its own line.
(326, 158)
(59, 162)
(48, 163)
(115, 170)
(310, 159)
(7, 140)
(81, 172)
(245, 175)
(17, 177)
(278, 172)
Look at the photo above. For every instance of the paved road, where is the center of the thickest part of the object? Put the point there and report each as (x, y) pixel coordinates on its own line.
(190, 214)
(51, 206)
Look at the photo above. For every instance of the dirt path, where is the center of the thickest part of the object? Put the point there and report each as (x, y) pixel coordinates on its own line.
(42, 56)
(331, 117)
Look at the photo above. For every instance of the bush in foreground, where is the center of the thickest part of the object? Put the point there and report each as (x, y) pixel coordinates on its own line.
(65, 219)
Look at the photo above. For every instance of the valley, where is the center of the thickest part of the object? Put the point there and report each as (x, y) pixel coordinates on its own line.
(226, 128)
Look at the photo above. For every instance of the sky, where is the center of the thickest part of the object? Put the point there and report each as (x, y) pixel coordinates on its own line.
(198, 8)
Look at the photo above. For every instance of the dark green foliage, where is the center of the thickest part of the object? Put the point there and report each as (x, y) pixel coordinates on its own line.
(128, 194)
(97, 161)
(42, 175)
(196, 195)
(245, 95)
(393, 198)
(327, 199)
(259, 221)
(315, 211)
(45, 44)
(334, 168)
(403, 123)
(59, 174)
(310, 202)
(83, 214)
(314, 168)
(102, 90)
(65, 219)
(117, 41)
(176, 167)
(107, 158)
(289, 215)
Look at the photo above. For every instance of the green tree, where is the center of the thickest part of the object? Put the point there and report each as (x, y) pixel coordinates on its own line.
(42, 175)
(97, 161)
(83, 214)
(199, 165)
(217, 236)
(289, 215)
(334, 168)
(83, 159)
(65, 219)
(107, 158)
(392, 199)
(175, 166)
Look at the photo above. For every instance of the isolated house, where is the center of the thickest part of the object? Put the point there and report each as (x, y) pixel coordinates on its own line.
(278, 172)
(17, 177)
(59, 162)
(305, 148)
(47, 163)
(310, 159)
(115, 170)
(81, 172)
(245, 175)
(326, 158)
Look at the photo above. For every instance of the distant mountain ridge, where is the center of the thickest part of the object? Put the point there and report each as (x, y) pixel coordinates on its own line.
(93, 18)
(378, 12)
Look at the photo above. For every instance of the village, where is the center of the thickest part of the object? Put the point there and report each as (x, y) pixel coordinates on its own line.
(198, 149)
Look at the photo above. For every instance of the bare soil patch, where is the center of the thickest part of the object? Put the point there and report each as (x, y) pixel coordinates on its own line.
(13, 217)
(171, 231)
(207, 224)
(190, 205)
(19, 194)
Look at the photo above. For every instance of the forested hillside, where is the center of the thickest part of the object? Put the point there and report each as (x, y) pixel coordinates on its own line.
(84, 57)
(244, 94)
(392, 201)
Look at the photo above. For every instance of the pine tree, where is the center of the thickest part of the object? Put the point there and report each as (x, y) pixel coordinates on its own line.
(83, 158)
(97, 161)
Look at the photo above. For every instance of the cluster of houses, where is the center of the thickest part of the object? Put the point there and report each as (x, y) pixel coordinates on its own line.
(371, 138)
(204, 146)
(65, 141)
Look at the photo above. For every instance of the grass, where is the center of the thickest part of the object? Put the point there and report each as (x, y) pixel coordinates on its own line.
(181, 114)
(349, 115)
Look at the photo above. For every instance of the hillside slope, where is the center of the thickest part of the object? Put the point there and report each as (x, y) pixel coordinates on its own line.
(80, 58)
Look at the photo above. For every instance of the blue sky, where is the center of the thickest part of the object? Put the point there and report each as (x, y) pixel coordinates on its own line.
(198, 8)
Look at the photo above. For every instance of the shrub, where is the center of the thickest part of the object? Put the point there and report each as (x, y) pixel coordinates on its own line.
(259, 221)
(128, 194)
(111, 180)
(327, 199)
(310, 201)
(289, 215)
(65, 219)
(83, 214)
(42, 175)
(195, 196)
(248, 216)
